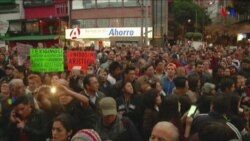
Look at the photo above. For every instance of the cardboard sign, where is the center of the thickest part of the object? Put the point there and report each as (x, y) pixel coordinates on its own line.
(47, 60)
(23, 51)
(80, 58)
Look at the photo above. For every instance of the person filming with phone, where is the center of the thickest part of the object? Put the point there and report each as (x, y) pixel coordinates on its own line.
(26, 122)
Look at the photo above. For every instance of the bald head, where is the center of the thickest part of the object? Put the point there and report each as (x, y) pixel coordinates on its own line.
(164, 131)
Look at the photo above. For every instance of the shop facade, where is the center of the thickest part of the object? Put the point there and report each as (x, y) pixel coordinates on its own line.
(106, 37)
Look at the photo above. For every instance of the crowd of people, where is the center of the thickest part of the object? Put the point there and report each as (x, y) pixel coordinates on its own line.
(130, 94)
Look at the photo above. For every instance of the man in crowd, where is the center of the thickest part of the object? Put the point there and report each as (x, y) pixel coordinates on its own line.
(113, 127)
(27, 123)
(164, 131)
(91, 90)
(167, 80)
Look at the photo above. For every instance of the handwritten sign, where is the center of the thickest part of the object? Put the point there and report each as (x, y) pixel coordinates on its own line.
(47, 60)
(23, 51)
(80, 58)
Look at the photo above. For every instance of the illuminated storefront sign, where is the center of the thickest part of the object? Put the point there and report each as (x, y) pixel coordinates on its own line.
(97, 33)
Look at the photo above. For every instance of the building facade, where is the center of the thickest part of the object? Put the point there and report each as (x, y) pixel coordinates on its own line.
(42, 24)
(9, 10)
(137, 15)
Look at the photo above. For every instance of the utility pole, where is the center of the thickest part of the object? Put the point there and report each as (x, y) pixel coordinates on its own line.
(196, 22)
(140, 2)
(69, 12)
(166, 25)
(146, 23)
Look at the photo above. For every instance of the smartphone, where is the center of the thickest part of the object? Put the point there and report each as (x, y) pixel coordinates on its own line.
(192, 110)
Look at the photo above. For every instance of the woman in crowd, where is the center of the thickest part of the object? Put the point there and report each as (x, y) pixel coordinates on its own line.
(130, 105)
(170, 111)
(62, 128)
(152, 100)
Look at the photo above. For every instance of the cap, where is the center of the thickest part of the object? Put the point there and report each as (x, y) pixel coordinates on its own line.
(86, 135)
(108, 106)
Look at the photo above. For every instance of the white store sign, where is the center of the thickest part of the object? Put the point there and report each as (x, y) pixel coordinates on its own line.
(97, 33)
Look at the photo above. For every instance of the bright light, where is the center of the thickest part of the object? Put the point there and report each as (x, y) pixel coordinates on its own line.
(241, 36)
(211, 2)
(189, 20)
(53, 90)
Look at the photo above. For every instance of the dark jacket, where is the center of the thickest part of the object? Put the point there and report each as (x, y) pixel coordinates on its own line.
(83, 117)
(133, 109)
(150, 118)
(4, 117)
(75, 84)
(121, 130)
(201, 120)
(95, 105)
(117, 88)
(36, 128)
(106, 88)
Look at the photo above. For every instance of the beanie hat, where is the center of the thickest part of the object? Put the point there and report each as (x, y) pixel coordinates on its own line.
(86, 135)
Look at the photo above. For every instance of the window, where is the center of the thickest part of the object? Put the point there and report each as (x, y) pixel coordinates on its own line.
(130, 22)
(102, 3)
(138, 21)
(83, 4)
(77, 23)
(115, 3)
(116, 22)
(61, 9)
(128, 3)
(90, 23)
(29, 3)
(16, 27)
(32, 27)
(102, 22)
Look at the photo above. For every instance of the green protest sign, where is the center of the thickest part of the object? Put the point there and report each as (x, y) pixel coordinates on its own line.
(47, 60)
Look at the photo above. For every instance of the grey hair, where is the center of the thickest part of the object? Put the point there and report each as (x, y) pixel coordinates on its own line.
(13, 82)
(169, 126)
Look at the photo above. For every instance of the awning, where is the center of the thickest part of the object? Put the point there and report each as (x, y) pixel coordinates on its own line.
(32, 38)
(2, 38)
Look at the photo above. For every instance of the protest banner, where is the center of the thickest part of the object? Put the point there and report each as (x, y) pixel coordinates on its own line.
(23, 51)
(80, 58)
(47, 60)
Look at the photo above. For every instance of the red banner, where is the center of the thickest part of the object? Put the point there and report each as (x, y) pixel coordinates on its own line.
(80, 58)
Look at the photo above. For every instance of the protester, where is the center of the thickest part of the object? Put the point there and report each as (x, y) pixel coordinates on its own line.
(164, 131)
(113, 127)
(86, 135)
(62, 128)
(130, 105)
(139, 79)
(26, 122)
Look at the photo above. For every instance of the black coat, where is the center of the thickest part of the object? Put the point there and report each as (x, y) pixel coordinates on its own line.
(133, 109)
(36, 128)
(83, 118)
